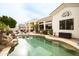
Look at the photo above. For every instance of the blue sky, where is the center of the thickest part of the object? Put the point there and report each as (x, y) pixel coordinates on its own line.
(22, 12)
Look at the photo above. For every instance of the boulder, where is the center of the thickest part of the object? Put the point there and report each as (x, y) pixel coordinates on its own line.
(9, 39)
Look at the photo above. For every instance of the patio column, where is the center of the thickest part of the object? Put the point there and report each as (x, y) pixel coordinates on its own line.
(52, 24)
(34, 27)
(44, 25)
(29, 27)
(52, 27)
(38, 27)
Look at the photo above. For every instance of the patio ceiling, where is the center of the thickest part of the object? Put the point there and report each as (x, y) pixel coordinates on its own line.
(46, 19)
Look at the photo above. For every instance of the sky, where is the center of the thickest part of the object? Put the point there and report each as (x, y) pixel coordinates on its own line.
(23, 12)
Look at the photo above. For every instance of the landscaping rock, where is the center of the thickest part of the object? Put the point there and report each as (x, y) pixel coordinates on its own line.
(9, 39)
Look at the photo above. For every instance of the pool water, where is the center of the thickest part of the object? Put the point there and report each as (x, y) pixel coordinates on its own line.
(40, 46)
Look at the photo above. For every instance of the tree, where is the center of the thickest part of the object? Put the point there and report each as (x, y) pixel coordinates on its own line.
(5, 20)
(8, 21)
(12, 22)
(3, 26)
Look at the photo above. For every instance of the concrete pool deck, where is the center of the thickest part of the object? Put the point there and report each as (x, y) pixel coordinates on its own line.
(5, 51)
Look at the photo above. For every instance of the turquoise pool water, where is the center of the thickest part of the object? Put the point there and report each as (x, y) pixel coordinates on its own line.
(40, 46)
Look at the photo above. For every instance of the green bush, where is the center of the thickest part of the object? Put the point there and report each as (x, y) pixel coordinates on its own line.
(45, 32)
(50, 31)
(2, 26)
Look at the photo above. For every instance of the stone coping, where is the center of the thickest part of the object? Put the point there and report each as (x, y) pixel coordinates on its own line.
(63, 40)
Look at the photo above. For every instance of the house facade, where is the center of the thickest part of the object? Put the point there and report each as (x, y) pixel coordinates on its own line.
(30, 25)
(64, 21)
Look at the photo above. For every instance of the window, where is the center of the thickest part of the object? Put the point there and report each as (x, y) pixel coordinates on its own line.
(67, 24)
(41, 27)
(62, 24)
(49, 26)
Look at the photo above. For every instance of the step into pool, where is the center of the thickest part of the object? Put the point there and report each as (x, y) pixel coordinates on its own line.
(40, 46)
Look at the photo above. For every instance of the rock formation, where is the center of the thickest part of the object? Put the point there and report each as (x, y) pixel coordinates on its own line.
(7, 39)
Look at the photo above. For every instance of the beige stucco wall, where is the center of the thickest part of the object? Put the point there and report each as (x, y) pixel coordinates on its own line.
(74, 14)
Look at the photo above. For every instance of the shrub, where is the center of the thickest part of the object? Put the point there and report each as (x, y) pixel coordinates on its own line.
(2, 26)
(50, 31)
(45, 32)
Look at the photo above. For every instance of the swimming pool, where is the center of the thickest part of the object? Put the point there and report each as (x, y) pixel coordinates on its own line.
(40, 46)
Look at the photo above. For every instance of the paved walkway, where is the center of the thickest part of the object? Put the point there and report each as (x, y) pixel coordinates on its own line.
(5, 51)
(21, 49)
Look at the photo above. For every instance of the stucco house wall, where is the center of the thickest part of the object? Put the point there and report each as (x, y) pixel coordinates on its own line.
(58, 16)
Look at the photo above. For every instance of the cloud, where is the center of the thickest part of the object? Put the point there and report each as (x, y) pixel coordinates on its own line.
(24, 12)
(13, 10)
(39, 9)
